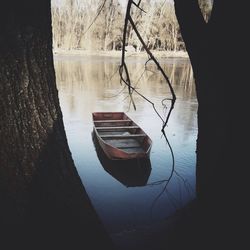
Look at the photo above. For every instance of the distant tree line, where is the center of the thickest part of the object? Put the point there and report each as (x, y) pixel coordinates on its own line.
(98, 25)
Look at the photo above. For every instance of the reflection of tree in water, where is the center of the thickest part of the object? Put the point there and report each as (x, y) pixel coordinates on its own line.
(89, 79)
(75, 73)
(172, 198)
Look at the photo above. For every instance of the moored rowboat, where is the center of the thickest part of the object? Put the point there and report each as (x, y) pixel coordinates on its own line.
(130, 173)
(120, 137)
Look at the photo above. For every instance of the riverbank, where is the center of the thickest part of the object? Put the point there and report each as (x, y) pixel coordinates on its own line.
(116, 53)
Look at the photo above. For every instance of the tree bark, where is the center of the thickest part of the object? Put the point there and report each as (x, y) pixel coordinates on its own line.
(42, 198)
(220, 85)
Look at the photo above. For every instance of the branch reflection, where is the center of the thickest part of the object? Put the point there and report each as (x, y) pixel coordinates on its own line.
(131, 173)
(172, 198)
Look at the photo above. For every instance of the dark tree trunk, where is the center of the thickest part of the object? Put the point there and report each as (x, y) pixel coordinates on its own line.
(41, 195)
(218, 67)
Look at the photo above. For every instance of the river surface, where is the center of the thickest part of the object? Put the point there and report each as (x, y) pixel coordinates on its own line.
(128, 206)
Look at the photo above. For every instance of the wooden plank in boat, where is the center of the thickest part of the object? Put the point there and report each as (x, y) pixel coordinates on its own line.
(123, 136)
(130, 147)
(98, 121)
(113, 124)
(133, 150)
(112, 132)
(120, 143)
(114, 128)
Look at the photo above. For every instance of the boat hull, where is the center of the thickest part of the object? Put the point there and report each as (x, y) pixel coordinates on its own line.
(120, 137)
(130, 172)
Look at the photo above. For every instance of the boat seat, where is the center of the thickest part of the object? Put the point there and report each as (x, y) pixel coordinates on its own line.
(122, 136)
(116, 128)
(100, 121)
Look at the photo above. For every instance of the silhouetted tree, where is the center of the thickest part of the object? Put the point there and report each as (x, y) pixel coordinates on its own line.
(42, 200)
(221, 146)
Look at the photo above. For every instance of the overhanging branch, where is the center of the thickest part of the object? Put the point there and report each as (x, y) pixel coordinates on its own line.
(123, 67)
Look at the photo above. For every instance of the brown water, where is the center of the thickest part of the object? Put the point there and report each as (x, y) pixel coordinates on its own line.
(129, 206)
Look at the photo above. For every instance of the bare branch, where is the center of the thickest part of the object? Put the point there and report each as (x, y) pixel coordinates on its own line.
(131, 89)
(138, 6)
(93, 21)
(126, 80)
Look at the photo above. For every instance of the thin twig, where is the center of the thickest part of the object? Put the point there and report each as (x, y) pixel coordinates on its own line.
(138, 6)
(97, 15)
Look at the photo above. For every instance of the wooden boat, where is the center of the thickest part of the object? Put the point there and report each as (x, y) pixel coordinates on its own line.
(130, 173)
(120, 137)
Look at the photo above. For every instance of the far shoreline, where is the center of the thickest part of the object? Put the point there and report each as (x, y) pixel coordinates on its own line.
(118, 53)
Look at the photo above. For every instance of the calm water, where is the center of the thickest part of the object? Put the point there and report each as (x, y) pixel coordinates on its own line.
(90, 84)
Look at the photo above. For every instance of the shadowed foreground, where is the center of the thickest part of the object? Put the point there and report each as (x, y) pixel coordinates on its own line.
(53, 209)
(43, 202)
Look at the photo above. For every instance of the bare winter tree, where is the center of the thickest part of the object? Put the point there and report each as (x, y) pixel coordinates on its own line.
(90, 25)
(97, 25)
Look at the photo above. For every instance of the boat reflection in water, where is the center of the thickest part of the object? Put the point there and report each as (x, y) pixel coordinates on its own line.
(131, 173)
